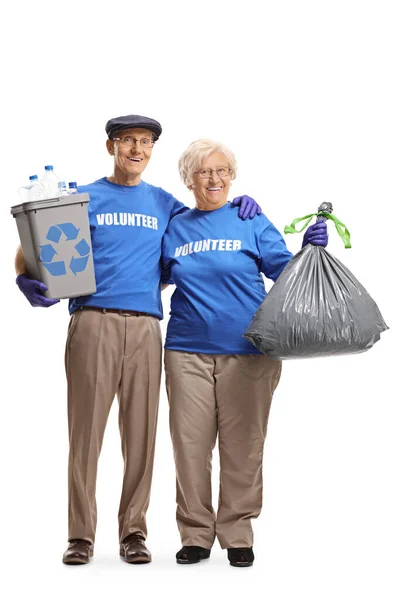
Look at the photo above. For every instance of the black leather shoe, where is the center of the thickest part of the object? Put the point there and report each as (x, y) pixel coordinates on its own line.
(189, 555)
(134, 551)
(78, 552)
(240, 557)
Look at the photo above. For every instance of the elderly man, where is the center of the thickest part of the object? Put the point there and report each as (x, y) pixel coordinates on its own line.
(114, 340)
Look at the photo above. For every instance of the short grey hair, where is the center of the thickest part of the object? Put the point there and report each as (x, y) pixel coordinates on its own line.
(191, 159)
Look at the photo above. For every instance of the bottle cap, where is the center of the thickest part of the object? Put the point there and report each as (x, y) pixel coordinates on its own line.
(33, 177)
(61, 184)
(72, 184)
(48, 168)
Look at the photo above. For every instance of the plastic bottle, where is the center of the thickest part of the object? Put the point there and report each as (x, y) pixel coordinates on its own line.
(62, 188)
(24, 189)
(49, 183)
(34, 189)
(23, 192)
(72, 188)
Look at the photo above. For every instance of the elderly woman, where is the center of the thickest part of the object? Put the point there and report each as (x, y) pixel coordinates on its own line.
(217, 382)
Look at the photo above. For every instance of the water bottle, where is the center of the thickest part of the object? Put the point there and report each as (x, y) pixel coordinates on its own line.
(62, 188)
(49, 183)
(72, 188)
(34, 189)
(23, 193)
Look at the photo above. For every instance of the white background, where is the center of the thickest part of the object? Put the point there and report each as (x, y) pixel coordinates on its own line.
(307, 95)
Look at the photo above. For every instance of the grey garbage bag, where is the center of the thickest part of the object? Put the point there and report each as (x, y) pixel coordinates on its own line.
(315, 308)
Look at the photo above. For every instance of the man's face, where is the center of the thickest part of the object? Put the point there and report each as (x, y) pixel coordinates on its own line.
(132, 151)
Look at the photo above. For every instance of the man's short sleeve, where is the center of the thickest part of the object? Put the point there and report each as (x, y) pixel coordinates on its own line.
(177, 208)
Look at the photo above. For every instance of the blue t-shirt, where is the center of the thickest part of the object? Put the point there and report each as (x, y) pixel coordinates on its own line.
(127, 224)
(216, 260)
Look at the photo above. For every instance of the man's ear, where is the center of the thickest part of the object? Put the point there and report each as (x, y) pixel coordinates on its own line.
(110, 147)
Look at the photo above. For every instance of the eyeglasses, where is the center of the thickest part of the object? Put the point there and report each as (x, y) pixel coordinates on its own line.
(207, 173)
(129, 141)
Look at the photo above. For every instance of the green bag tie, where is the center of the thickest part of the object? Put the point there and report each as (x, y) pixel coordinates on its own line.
(340, 227)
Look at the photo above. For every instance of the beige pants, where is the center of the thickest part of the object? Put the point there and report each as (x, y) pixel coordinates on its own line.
(228, 395)
(108, 354)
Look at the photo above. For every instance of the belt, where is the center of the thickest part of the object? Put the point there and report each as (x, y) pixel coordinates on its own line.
(122, 313)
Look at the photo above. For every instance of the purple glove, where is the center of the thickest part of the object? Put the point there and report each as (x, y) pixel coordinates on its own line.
(32, 290)
(248, 207)
(316, 234)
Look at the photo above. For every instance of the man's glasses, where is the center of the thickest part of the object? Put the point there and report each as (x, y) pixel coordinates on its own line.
(207, 173)
(129, 141)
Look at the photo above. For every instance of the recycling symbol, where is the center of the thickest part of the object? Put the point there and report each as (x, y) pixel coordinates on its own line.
(48, 252)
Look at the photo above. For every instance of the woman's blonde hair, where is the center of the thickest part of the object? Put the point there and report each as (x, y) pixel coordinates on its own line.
(191, 159)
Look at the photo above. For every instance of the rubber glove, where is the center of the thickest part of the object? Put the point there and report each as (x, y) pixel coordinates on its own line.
(32, 291)
(248, 207)
(316, 234)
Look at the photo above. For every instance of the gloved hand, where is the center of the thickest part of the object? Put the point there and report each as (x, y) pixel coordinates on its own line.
(32, 291)
(316, 234)
(248, 207)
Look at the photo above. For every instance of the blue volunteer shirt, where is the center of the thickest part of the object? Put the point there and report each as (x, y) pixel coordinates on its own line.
(216, 260)
(127, 224)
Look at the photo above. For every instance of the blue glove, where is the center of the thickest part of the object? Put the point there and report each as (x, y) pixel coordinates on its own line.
(316, 234)
(248, 207)
(32, 291)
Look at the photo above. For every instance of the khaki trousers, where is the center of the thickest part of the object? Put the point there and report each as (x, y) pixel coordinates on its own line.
(228, 396)
(108, 354)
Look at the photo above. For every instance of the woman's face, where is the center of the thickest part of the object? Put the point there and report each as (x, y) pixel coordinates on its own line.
(211, 182)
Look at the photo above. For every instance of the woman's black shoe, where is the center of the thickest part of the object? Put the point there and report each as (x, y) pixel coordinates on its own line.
(191, 554)
(240, 557)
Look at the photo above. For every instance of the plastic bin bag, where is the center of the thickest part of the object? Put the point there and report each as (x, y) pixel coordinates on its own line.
(316, 307)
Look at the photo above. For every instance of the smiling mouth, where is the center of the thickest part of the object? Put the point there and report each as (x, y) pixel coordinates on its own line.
(135, 159)
(214, 189)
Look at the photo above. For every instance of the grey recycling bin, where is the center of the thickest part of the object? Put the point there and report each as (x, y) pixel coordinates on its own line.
(55, 239)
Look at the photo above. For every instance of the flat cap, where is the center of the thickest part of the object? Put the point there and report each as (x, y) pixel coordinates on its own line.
(133, 121)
